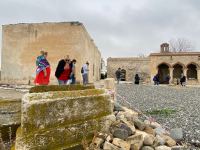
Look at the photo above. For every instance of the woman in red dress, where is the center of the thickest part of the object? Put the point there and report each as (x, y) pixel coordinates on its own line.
(43, 70)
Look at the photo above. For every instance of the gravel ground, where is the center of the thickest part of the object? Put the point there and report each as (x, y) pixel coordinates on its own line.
(185, 100)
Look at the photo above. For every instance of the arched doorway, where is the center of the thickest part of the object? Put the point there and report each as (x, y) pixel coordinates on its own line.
(163, 72)
(191, 72)
(123, 75)
(178, 70)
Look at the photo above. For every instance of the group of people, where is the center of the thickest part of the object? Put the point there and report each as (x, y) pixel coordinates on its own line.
(181, 80)
(118, 74)
(65, 71)
(156, 78)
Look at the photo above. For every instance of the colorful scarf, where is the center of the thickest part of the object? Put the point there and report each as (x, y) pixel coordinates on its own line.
(41, 63)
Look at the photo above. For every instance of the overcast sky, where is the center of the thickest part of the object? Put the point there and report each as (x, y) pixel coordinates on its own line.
(119, 28)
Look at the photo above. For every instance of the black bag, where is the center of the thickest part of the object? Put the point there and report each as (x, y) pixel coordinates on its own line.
(82, 71)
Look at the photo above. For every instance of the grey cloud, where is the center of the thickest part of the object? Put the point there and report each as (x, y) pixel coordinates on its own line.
(119, 27)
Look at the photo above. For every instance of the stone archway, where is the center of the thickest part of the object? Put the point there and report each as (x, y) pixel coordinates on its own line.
(163, 72)
(123, 75)
(178, 70)
(191, 72)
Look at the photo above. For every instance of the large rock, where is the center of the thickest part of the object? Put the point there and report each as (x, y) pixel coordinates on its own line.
(130, 115)
(121, 143)
(139, 124)
(118, 107)
(109, 146)
(149, 130)
(107, 122)
(159, 141)
(155, 125)
(148, 140)
(138, 132)
(136, 141)
(147, 148)
(160, 131)
(62, 119)
(130, 127)
(176, 134)
(169, 141)
(162, 148)
(120, 116)
(125, 127)
(120, 133)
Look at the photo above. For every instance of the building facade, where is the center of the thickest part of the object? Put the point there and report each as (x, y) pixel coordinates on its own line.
(165, 64)
(22, 43)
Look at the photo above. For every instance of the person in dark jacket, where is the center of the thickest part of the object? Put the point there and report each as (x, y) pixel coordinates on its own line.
(137, 79)
(183, 80)
(156, 79)
(118, 75)
(61, 69)
(73, 71)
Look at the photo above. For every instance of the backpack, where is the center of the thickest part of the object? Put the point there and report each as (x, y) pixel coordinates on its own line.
(154, 78)
(82, 71)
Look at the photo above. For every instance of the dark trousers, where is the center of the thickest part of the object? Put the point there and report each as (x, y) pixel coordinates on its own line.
(118, 79)
(73, 79)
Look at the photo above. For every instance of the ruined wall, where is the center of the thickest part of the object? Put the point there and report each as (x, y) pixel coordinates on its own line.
(131, 65)
(22, 43)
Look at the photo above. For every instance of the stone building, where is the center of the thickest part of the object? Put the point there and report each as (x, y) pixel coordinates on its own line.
(22, 43)
(164, 63)
(130, 66)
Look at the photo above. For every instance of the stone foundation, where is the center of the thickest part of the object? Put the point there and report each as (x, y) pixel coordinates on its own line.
(62, 120)
(10, 117)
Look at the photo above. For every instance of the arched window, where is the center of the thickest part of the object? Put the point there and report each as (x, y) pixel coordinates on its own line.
(191, 72)
(163, 72)
(178, 70)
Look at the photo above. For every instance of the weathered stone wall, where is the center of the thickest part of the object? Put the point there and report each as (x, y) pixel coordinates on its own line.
(131, 65)
(10, 117)
(22, 43)
(62, 119)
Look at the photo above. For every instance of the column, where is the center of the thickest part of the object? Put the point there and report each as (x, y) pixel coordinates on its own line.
(198, 74)
(171, 75)
(185, 72)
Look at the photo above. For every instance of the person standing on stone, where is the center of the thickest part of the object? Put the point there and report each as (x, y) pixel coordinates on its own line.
(85, 71)
(118, 75)
(43, 70)
(63, 71)
(73, 71)
(137, 79)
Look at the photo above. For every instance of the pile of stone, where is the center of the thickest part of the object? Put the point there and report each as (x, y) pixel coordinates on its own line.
(128, 132)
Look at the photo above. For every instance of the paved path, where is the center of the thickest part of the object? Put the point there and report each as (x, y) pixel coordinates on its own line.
(185, 100)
